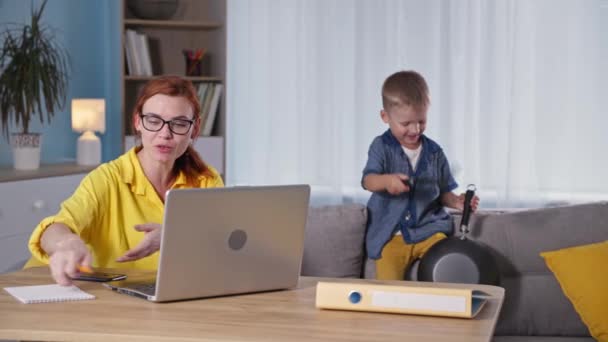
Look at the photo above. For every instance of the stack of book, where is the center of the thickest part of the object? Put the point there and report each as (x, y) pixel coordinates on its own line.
(209, 96)
(137, 52)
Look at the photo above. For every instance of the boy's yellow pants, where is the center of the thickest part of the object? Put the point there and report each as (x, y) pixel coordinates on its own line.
(397, 256)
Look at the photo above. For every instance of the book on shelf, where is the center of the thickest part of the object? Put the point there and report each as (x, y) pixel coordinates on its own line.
(205, 104)
(418, 300)
(132, 61)
(145, 54)
(201, 92)
(137, 51)
(213, 108)
(128, 58)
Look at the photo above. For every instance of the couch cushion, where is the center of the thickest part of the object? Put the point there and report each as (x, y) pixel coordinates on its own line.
(581, 272)
(334, 244)
(535, 305)
(534, 301)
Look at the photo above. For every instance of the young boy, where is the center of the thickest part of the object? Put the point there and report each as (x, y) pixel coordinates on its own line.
(410, 178)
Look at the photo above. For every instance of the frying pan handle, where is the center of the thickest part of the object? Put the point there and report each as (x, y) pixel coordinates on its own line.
(466, 213)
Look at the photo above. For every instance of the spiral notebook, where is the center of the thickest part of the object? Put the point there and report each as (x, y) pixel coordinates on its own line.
(47, 293)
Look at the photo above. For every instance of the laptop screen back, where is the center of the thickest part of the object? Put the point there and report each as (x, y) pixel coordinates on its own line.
(224, 241)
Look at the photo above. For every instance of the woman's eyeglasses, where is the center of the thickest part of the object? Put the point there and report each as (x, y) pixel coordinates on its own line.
(154, 123)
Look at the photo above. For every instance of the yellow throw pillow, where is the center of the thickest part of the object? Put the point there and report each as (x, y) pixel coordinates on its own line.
(583, 275)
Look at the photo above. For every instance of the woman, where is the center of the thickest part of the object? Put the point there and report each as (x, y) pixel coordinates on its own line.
(112, 219)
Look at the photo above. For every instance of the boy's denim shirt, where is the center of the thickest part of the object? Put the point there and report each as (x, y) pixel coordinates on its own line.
(418, 214)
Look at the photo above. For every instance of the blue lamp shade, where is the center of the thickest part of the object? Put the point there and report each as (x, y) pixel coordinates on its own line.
(88, 117)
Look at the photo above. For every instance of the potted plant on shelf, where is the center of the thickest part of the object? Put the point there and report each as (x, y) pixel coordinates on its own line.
(33, 82)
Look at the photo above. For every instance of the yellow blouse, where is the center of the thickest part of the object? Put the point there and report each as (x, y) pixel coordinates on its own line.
(106, 206)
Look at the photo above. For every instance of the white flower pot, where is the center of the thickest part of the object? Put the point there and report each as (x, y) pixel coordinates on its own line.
(26, 150)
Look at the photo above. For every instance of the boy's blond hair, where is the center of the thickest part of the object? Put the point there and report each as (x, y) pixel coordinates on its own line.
(405, 87)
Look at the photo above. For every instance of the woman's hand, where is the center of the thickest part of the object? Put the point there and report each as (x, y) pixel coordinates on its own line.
(149, 245)
(68, 255)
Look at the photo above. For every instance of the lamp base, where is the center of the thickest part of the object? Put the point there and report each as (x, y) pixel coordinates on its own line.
(88, 151)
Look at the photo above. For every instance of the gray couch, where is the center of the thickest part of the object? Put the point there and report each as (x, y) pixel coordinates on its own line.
(535, 308)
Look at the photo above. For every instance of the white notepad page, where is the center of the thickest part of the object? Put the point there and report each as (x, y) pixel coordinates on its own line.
(47, 293)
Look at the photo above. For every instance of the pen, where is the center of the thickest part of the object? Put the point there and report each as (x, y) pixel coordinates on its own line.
(85, 269)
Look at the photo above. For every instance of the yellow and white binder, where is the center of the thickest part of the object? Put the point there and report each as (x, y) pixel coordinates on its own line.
(418, 300)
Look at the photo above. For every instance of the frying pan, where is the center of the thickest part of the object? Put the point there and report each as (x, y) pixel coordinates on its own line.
(458, 259)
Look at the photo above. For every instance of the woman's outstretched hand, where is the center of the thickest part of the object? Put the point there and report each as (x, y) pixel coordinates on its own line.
(149, 245)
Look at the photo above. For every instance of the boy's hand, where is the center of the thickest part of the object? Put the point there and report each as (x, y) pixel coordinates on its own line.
(474, 203)
(397, 183)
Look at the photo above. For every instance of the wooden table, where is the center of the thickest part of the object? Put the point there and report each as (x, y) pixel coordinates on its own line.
(288, 315)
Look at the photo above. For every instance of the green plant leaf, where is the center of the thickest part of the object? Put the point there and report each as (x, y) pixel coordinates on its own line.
(34, 73)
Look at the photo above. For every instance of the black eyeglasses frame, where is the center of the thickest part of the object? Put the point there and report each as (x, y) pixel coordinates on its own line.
(165, 122)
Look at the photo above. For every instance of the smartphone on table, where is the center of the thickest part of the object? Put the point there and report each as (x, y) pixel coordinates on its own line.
(99, 276)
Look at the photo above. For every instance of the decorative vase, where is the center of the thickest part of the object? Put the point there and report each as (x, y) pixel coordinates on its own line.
(26, 150)
(153, 9)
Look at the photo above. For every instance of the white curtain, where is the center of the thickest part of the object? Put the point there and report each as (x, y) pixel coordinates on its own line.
(517, 92)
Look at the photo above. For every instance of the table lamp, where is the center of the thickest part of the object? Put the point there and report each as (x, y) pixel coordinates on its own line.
(88, 115)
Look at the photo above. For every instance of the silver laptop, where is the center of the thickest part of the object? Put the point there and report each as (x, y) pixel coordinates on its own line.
(224, 241)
